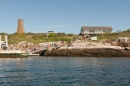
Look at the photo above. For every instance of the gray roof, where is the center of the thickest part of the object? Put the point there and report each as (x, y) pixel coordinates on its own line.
(96, 28)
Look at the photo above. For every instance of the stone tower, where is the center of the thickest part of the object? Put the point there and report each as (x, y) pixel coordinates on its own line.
(20, 29)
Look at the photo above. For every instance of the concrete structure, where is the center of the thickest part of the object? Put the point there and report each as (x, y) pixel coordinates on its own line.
(124, 39)
(4, 44)
(93, 38)
(20, 29)
(94, 30)
(11, 51)
(6, 41)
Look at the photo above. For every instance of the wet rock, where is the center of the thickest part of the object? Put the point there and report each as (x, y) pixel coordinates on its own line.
(90, 52)
(122, 44)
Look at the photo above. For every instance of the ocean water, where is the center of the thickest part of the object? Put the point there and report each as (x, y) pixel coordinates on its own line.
(65, 71)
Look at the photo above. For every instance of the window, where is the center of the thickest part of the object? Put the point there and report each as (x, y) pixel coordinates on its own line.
(98, 31)
(86, 31)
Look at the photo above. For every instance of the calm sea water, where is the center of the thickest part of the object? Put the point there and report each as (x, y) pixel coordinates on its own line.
(64, 71)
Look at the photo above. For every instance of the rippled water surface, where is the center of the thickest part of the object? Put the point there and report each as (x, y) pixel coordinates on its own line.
(64, 71)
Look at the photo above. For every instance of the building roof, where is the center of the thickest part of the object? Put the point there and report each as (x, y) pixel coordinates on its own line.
(96, 28)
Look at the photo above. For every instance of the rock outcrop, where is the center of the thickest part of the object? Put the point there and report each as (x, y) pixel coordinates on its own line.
(95, 52)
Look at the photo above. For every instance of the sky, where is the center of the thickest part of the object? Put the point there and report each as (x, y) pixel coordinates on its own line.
(63, 15)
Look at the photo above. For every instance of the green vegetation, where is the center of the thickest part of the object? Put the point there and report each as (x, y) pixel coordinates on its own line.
(37, 37)
(12, 55)
(53, 37)
(114, 36)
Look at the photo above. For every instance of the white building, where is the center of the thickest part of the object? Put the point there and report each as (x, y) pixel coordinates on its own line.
(95, 30)
(3, 44)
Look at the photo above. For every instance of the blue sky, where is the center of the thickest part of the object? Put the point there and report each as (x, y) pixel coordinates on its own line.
(63, 15)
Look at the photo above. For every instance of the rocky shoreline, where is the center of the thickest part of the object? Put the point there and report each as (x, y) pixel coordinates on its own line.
(75, 48)
(94, 52)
